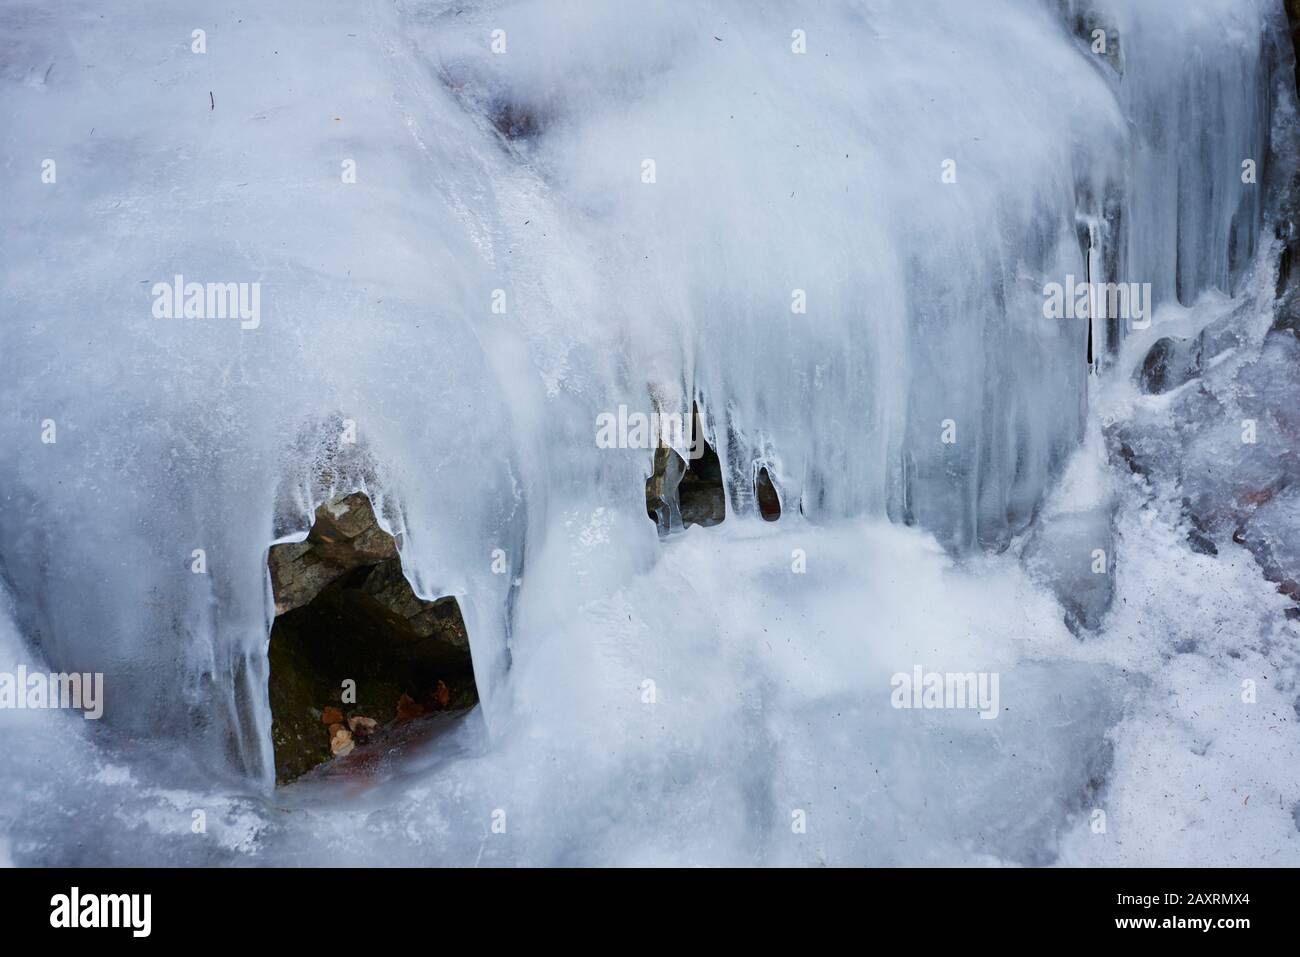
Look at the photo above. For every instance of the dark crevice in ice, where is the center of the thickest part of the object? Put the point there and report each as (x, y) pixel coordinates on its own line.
(769, 502)
(682, 492)
(345, 612)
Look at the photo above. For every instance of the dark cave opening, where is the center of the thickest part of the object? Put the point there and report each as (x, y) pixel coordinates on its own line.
(353, 650)
(769, 502)
(682, 492)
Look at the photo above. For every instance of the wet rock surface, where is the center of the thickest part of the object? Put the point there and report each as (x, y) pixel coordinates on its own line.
(1230, 444)
(1169, 364)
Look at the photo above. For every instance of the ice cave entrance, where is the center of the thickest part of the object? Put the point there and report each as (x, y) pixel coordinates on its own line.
(354, 652)
(680, 492)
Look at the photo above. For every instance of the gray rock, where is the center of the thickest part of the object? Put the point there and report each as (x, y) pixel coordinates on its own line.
(1170, 363)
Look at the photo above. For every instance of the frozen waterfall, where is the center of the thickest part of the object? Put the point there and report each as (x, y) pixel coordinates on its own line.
(472, 229)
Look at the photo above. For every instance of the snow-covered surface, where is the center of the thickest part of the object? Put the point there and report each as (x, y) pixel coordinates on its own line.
(770, 647)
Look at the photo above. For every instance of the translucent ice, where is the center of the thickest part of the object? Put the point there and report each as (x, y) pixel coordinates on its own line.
(476, 227)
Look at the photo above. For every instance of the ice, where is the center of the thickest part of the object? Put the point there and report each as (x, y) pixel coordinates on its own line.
(1070, 548)
(499, 274)
(769, 675)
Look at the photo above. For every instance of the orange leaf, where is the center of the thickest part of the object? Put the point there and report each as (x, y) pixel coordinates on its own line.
(407, 708)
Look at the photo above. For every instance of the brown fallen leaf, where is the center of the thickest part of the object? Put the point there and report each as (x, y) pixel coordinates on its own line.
(331, 715)
(342, 743)
(408, 708)
(442, 695)
(362, 727)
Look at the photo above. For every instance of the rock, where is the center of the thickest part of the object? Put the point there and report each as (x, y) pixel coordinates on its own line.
(341, 743)
(680, 493)
(661, 489)
(1234, 489)
(346, 612)
(344, 536)
(1270, 530)
(439, 619)
(1168, 364)
(701, 496)
(362, 727)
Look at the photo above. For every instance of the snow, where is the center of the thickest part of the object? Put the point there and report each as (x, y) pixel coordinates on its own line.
(644, 701)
